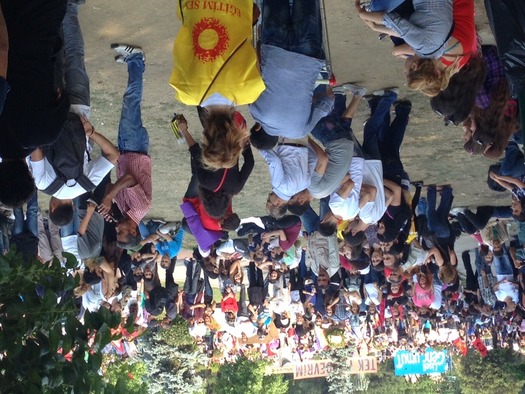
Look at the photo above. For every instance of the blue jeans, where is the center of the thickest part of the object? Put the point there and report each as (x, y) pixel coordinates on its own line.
(72, 228)
(148, 228)
(298, 31)
(384, 5)
(390, 140)
(333, 127)
(438, 218)
(132, 135)
(77, 80)
(513, 164)
(310, 220)
(502, 264)
(376, 125)
(31, 221)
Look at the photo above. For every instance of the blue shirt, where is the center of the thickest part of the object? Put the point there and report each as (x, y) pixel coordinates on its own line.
(286, 108)
(171, 248)
(427, 28)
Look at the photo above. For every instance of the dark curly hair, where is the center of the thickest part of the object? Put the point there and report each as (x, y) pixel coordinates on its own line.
(17, 185)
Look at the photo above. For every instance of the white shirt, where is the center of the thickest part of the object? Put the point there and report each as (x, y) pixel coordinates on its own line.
(92, 298)
(348, 208)
(507, 289)
(290, 169)
(44, 175)
(372, 211)
(217, 99)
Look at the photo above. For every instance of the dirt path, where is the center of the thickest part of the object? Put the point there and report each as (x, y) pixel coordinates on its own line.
(431, 151)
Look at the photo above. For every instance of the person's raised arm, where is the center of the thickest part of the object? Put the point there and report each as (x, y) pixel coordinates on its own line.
(85, 221)
(125, 181)
(37, 154)
(322, 157)
(503, 183)
(403, 50)
(511, 180)
(109, 151)
(345, 189)
(396, 192)
(368, 193)
(434, 252)
(376, 17)
(165, 237)
(183, 127)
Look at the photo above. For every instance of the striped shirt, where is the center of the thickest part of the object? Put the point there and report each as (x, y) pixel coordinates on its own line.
(487, 293)
(135, 201)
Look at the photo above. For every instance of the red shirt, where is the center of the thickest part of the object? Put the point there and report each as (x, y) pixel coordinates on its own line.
(291, 236)
(464, 31)
(135, 201)
(229, 304)
(207, 221)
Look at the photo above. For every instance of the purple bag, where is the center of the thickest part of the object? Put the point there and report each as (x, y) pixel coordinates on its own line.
(205, 238)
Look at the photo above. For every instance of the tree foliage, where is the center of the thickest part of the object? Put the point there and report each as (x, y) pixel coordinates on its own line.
(177, 335)
(44, 347)
(501, 371)
(128, 376)
(385, 381)
(248, 377)
(173, 368)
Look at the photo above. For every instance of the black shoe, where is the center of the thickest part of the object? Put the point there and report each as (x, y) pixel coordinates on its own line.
(403, 102)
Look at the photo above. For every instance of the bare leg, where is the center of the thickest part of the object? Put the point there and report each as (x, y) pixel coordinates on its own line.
(352, 108)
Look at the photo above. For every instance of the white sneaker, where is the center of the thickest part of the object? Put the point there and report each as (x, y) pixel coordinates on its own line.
(125, 49)
(454, 211)
(356, 90)
(381, 92)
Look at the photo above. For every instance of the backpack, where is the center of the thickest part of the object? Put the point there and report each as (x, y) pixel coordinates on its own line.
(66, 156)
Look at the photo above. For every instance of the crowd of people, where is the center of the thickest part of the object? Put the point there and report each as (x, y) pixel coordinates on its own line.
(375, 266)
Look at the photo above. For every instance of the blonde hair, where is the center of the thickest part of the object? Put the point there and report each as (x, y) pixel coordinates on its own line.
(448, 273)
(426, 78)
(222, 142)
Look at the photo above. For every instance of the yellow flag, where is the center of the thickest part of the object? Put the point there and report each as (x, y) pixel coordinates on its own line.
(213, 52)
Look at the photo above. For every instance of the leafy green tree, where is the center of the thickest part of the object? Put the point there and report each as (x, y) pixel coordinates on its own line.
(178, 335)
(248, 377)
(44, 347)
(173, 366)
(127, 376)
(501, 371)
(386, 382)
(308, 386)
(339, 381)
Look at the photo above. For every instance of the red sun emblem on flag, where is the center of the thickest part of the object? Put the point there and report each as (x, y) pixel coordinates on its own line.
(210, 39)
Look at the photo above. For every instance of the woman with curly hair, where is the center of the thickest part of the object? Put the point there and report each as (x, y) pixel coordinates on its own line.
(432, 75)
(215, 67)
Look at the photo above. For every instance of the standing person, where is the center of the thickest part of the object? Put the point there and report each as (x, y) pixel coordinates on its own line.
(374, 197)
(65, 170)
(31, 112)
(229, 181)
(132, 192)
(216, 72)
(290, 166)
(291, 58)
(335, 133)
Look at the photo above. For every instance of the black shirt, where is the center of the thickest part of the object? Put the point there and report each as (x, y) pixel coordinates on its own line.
(232, 179)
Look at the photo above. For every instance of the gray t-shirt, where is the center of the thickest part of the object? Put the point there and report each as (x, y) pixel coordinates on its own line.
(90, 244)
(285, 108)
(340, 154)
